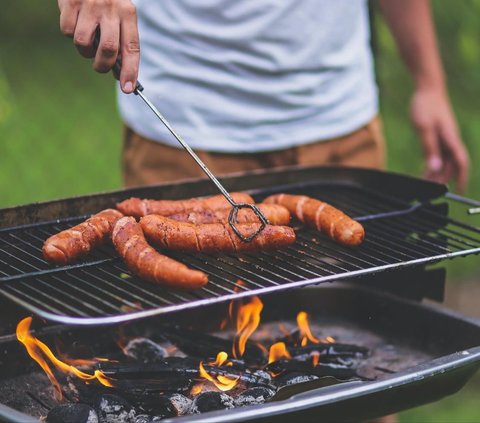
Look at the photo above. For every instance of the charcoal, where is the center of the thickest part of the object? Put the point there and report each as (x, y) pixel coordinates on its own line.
(144, 350)
(252, 396)
(166, 372)
(72, 413)
(202, 345)
(169, 405)
(181, 403)
(293, 378)
(114, 409)
(263, 375)
(329, 350)
(145, 418)
(338, 371)
(209, 401)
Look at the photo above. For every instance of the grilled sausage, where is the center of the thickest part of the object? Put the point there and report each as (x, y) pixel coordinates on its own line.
(276, 215)
(74, 243)
(138, 207)
(321, 216)
(144, 261)
(213, 237)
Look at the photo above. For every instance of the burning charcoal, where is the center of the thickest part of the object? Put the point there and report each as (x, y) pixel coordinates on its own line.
(293, 378)
(181, 403)
(338, 371)
(72, 413)
(209, 401)
(114, 409)
(203, 345)
(144, 350)
(178, 371)
(252, 396)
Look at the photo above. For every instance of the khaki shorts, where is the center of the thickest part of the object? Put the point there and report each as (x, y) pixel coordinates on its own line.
(147, 162)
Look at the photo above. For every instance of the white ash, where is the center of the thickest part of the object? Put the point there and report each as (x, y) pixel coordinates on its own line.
(300, 379)
(181, 403)
(145, 350)
(263, 375)
(253, 396)
(113, 409)
(145, 418)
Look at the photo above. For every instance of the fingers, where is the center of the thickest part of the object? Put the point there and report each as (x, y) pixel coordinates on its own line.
(432, 152)
(85, 32)
(108, 46)
(68, 19)
(117, 25)
(130, 51)
(456, 154)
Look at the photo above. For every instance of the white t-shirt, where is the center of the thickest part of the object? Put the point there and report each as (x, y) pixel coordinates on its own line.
(253, 75)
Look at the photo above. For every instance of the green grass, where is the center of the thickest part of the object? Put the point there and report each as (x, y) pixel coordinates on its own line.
(60, 134)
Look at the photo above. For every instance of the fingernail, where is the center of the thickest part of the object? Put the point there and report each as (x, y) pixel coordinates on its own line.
(435, 164)
(128, 87)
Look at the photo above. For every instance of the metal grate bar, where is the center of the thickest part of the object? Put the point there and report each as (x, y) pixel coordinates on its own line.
(100, 289)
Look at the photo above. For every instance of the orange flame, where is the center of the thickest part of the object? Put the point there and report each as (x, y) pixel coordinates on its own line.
(248, 319)
(36, 349)
(224, 383)
(278, 351)
(305, 332)
(315, 358)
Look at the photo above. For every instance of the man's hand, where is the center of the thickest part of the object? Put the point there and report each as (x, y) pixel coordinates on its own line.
(412, 26)
(117, 21)
(445, 153)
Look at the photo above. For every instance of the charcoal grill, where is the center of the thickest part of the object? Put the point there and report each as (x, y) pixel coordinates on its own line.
(407, 226)
(404, 228)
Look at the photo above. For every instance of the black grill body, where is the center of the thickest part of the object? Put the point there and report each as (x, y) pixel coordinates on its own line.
(407, 227)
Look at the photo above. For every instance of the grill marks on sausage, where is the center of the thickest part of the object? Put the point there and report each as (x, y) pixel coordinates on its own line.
(137, 207)
(323, 217)
(144, 261)
(213, 237)
(275, 214)
(71, 244)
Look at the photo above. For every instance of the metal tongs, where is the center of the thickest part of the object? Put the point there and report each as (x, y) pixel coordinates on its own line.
(232, 217)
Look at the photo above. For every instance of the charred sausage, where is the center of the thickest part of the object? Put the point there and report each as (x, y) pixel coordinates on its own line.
(144, 261)
(321, 216)
(213, 237)
(276, 215)
(138, 207)
(74, 243)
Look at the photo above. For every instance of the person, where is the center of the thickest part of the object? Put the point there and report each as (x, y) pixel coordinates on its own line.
(262, 84)
(259, 84)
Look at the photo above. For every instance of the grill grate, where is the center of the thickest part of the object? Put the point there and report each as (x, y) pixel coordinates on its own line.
(102, 290)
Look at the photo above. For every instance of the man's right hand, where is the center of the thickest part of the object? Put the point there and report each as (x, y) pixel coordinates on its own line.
(117, 21)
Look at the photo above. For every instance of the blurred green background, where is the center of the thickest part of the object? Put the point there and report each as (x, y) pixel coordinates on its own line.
(60, 134)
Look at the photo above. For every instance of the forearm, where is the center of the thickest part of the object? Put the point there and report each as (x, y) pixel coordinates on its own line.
(412, 26)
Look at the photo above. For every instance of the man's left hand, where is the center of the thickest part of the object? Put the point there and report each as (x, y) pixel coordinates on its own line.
(445, 154)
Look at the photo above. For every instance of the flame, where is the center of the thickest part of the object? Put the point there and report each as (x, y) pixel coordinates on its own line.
(305, 332)
(196, 389)
(248, 319)
(224, 383)
(330, 340)
(278, 351)
(315, 358)
(36, 349)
